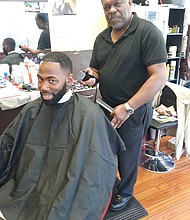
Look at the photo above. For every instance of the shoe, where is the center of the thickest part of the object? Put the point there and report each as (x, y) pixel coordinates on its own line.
(119, 203)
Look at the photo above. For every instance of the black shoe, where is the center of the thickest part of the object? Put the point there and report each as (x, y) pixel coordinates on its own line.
(119, 203)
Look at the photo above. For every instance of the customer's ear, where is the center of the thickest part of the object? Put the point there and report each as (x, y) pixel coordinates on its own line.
(69, 79)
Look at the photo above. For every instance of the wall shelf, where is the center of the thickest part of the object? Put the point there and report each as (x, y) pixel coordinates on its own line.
(170, 21)
(176, 18)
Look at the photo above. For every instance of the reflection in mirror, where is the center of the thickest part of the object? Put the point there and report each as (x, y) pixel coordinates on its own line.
(19, 23)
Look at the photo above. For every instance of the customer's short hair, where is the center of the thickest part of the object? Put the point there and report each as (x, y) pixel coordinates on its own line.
(61, 58)
(10, 42)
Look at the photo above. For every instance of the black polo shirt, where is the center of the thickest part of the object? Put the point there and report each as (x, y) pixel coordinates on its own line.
(123, 65)
(44, 40)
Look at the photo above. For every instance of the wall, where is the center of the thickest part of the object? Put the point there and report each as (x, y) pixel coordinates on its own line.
(80, 59)
(77, 32)
(187, 6)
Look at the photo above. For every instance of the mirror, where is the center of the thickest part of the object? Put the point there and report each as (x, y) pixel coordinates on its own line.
(18, 22)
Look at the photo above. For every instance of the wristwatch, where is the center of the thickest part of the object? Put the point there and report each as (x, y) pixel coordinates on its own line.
(129, 110)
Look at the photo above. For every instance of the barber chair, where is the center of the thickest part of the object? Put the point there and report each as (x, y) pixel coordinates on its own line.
(152, 159)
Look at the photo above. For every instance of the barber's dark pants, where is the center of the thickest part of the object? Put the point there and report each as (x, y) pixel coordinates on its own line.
(132, 133)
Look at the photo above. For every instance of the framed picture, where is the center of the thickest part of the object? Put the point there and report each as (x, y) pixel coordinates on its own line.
(32, 6)
(63, 7)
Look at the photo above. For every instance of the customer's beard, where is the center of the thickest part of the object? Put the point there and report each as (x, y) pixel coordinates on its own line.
(56, 97)
(5, 51)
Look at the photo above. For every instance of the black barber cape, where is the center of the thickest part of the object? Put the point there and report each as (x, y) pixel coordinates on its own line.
(58, 163)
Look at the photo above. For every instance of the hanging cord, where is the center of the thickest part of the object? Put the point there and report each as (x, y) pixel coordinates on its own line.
(96, 92)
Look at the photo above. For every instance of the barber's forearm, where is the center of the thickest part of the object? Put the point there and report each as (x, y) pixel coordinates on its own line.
(33, 51)
(147, 91)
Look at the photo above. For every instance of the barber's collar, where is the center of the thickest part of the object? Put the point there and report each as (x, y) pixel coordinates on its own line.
(66, 97)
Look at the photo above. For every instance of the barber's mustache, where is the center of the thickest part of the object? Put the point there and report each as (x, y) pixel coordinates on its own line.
(112, 16)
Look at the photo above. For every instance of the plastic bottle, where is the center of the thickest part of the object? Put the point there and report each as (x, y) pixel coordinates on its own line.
(172, 70)
(34, 75)
(7, 72)
(17, 74)
(31, 70)
(5, 68)
(2, 77)
(24, 73)
(167, 70)
(26, 62)
(172, 51)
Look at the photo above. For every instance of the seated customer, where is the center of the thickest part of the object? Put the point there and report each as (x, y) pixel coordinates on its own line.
(12, 57)
(59, 156)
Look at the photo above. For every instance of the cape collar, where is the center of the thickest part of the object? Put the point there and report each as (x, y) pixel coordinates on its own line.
(66, 97)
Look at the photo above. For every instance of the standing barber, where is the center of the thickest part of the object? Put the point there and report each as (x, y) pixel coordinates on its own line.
(129, 60)
(44, 42)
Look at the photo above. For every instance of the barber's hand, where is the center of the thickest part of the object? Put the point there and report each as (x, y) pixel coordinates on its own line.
(24, 48)
(89, 82)
(119, 115)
